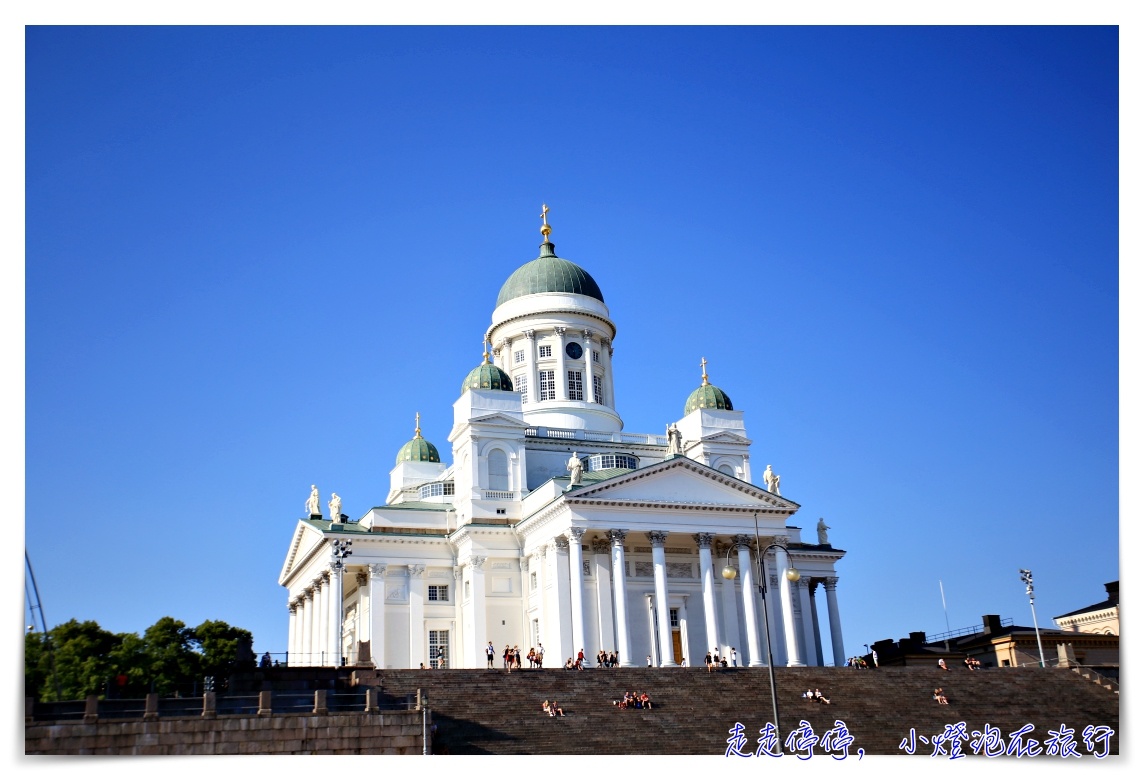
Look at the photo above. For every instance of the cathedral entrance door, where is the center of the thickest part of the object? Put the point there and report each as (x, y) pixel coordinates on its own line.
(677, 645)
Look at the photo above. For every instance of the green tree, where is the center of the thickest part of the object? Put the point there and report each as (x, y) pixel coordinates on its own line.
(129, 658)
(172, 663)
(225, 649)
(81, 655)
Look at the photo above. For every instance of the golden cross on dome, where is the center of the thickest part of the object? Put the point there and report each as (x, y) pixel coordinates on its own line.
(417, 432)
(703, 363)
(545, 228)
(485, 347)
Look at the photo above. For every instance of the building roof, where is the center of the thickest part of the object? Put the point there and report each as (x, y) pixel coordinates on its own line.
(418, 448)
(1113, 600)
(487, 376)
(549, 274)
(707, 396)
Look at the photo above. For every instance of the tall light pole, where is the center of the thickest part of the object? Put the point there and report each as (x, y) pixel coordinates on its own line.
(1027, 578)
(341, 549)
(791, 573)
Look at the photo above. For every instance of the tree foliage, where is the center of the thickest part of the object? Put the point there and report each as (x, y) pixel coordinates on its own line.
(170, 658)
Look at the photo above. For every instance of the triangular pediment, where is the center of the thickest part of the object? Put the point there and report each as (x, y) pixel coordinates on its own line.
(681, 481)
(306, 539)
(498, 418)
(725, 437)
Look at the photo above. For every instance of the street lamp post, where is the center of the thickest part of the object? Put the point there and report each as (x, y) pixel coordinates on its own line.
(791, 573)
(341, 550)
(1027, 578)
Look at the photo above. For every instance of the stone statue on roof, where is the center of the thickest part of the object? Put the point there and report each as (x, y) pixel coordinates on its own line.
(822, 529)
(313, 505)
(674, 440)
(771, 480)
(575, 468)
(335, 507)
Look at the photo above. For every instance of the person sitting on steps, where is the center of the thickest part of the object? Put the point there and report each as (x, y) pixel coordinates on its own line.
(939, 696)
(818, 697)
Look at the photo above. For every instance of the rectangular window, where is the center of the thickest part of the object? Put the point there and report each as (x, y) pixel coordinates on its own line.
(439, 649)
(545, 350)
(521, 384)
(438, 592)
(595, 356)
(547, 385)
(575, 386)
(598, 389)
(674, 617)
(518, 356)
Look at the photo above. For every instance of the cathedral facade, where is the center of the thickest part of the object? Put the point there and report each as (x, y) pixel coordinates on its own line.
(553, 527)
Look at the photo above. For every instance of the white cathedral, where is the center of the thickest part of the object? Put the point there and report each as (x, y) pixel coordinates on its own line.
(554, 527)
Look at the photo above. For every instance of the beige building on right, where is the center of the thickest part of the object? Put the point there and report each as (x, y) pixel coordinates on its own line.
(1100, 618)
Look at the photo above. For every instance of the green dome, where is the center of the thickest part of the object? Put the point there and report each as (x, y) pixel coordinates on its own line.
(707, 397)
(487, 376)
(418, 449)
(549, 273)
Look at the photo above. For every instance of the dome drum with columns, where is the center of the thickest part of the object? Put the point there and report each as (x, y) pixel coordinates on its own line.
(553, 526)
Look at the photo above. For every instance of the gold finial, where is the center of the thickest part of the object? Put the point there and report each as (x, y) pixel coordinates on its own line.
(417, 431)
(545, 228)
(485, 347)
(703, 363)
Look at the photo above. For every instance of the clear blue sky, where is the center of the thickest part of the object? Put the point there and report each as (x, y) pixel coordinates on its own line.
(253, 254)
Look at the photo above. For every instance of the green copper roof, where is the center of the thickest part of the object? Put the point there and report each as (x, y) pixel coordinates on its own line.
(487, 376)
(418, 449)
(707, 396)
(549, 273)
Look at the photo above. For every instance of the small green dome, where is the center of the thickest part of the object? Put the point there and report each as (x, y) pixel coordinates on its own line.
(707, 397)
(549, 273)
(487, 376)
(418, 449)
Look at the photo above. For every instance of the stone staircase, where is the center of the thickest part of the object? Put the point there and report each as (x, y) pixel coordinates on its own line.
(489, 711)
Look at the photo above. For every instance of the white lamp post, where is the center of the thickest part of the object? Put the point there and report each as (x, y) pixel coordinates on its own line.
(1027, 578)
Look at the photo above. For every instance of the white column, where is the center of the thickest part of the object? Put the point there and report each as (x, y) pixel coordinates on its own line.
(606, 361)
(590, 389)
(831, 583)
(659, 573)
(327, 617)
(477, 614)
(652, 623)
(525, 595)
(292, 635)
(775, 613)
(621, 590)
(561, 371)
(807, 635)
(730, 635)
(747, 572)
(533, 376)
(417, 652)
(817, 658)
(321, 619)
(576, 572)
(707, 577)
(793, 657)
(563, 599)
(337, 571)
(377, 614)
(603, 571)
(304, 644)
(683, 627)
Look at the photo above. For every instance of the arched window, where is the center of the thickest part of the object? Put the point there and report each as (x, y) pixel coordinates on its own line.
(498, 470)
(727, 469)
